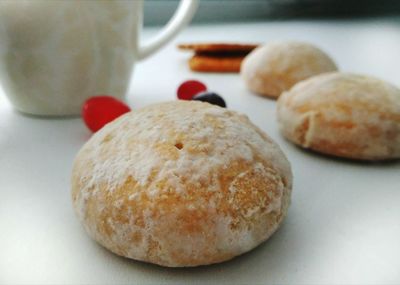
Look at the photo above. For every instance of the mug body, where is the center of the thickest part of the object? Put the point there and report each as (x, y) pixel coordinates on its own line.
(56, 54)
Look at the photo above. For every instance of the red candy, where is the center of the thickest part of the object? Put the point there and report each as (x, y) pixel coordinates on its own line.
(190, 88)
(100, 110)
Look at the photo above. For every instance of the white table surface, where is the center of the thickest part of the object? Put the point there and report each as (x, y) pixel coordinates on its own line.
(344, 222)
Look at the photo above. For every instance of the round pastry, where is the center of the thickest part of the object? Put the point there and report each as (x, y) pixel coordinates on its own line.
(181, 184)
(276, 67)
(342, 114)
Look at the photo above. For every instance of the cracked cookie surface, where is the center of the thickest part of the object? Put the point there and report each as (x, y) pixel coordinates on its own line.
(181, 184)
(343, 114)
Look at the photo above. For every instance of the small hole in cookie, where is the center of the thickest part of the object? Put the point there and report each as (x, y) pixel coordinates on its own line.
(179, 145)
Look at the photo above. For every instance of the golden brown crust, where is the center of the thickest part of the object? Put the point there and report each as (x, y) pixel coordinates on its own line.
(181, 184)
(345, 115)
(203, 63)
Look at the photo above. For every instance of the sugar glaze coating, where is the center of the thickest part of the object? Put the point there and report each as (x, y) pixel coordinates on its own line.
(343, 114)
(181, 184)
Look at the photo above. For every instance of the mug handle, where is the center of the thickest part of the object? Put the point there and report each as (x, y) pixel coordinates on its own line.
(182, 16)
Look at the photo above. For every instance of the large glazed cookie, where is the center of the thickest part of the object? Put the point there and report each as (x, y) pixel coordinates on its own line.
(343, 114)
(181, 184)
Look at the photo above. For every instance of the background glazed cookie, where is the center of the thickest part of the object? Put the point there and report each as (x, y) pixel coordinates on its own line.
(343, 114)
(181, 184)
(275, 67)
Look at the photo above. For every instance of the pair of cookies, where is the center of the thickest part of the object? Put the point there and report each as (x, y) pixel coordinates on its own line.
(319, 108)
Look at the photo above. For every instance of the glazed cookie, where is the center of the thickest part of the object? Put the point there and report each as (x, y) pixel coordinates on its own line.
(183, 183)
(342, 114)
(275, 67)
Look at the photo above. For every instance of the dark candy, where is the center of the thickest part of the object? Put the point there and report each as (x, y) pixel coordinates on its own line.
(210, 97)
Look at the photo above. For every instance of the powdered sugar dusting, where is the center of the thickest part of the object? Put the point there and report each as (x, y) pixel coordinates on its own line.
(162, 149)
(147, 129)
(277, 66)
(343, 109)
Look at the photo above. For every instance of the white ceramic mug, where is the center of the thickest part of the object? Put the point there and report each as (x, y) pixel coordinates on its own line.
(56, 54)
